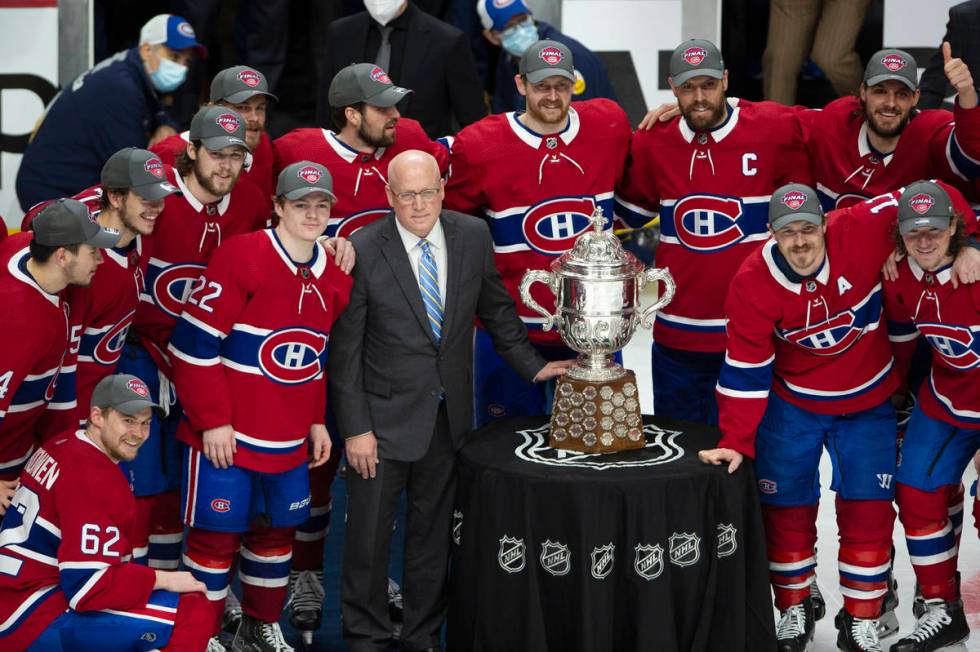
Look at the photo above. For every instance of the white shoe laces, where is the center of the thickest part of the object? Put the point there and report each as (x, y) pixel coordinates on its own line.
(214, 645)
(864, 631)
(307, 591)
(272, 634)
(932, 621)
(792, 622)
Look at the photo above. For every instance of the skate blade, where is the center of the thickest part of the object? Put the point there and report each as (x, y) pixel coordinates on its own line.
(887, 625)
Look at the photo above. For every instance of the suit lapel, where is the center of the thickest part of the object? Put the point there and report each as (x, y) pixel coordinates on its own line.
(454, 262)
(394, 252)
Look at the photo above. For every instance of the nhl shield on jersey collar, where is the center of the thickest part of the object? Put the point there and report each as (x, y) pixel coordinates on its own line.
(195, 203)
(345, 151)
(943, 276)
(769, 253)
(533, 139)
(717, 134)
(316, 266)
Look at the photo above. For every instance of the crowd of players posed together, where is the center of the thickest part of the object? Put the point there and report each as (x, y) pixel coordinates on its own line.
(168, 335)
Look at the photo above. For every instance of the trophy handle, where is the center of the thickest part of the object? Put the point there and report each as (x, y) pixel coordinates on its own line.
(531, 277)
(652, 275)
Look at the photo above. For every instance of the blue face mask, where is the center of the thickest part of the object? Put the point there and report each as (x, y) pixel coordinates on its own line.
(168, 76)
(517, 39)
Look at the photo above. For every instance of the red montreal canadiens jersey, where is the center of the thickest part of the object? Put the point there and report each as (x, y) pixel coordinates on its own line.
(925, 303)
(820, 343)
(712, 193)
(256, 328)
(65, 542)
(257, 171)
(847, 170)
(358, 179)
(185, 236)
(33, 346)
(538, 192)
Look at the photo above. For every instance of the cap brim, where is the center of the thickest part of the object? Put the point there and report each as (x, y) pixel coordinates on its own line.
(538, 76)
(155, 191)
(135, 406)
(877, 79)
(680, 78)
(103, 239)
(932, 221)
(244, 96)
(389, 96)
(215, 143)
(780, 222)
(303, 192)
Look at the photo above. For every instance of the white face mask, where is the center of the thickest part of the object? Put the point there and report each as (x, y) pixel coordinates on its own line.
(383, 11)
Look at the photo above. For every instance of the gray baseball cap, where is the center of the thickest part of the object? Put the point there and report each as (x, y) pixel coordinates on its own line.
(238, 84)
(364, 82)
(794, 202)
(892, 64)
(218, 127)
(303, 178)
(123, 393)
(696, 58)
(66, 222)
(139, 170)
(924, 203)
(546, 59)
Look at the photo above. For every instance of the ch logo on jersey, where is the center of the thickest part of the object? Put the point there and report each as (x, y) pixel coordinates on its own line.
(553, 226)
(173, 284)
(249, 77)
(292, 355)
(49, 390)
(221, 505)
(112, 342)
(708, 223)
(352, 223)
(958, 346)
(694, 56)
(893, 62)
(827, 338)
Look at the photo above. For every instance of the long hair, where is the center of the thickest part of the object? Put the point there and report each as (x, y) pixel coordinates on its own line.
(955, 242)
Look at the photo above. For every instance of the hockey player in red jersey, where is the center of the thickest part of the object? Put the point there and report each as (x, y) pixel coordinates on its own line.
(68, 579)
(536, 177)
(709, 173)
(944, 431)
(370, 132)
(246, 91)
(808, 365)
(63, 249)
(249, 355)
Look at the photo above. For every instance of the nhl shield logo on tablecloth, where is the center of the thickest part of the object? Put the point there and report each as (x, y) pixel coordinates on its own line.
(649, 561)
(551, 56)
(309, 174)
(794, 199)
(555, 558)
(921, 203)
(894, 62)
(685, 549)
(602, 560)
(457, 526)
(694, 56)
(249, 77)
(727, 545)
(511, 556)
(228, 122)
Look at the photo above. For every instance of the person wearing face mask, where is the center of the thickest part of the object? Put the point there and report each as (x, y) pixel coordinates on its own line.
(510, 25)
(416, 51)
(116, 104)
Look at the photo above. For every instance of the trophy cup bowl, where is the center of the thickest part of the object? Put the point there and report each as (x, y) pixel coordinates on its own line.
(597, 288)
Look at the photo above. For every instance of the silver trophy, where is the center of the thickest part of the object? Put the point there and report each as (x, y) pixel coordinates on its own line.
(597, 289)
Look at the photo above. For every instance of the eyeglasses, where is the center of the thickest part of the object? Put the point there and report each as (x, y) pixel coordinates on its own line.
(408, 197)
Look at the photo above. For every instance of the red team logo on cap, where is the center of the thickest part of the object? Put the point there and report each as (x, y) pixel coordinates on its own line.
(310, 174)
(794, 199)
(694, 56)
(921, 203)
(893, 62)
(379, 75)
(154, 167)
(249, 77)
(137, 386)
(228, 122)
(185, 28)
(551, 56)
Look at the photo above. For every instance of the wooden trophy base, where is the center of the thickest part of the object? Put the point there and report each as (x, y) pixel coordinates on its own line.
(597, 417)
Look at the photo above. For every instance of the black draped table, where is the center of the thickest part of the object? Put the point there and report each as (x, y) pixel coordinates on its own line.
(647, 550)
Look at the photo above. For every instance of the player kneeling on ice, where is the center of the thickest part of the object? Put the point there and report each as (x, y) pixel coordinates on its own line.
(67, 579)
(249, 358)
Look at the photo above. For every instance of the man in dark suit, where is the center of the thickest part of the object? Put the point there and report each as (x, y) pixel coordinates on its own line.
(963, 35)
(401, 385)
(419, 52)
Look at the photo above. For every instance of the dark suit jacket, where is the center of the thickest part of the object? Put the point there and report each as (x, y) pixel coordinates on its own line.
(963, 34)
(386, 372)
(438, 66)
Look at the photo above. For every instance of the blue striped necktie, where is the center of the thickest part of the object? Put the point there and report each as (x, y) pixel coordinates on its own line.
(429, 284)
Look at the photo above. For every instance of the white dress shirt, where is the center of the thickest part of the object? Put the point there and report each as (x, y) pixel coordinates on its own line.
(437, 245)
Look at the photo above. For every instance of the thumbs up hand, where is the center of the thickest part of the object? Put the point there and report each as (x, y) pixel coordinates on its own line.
(958, 74)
